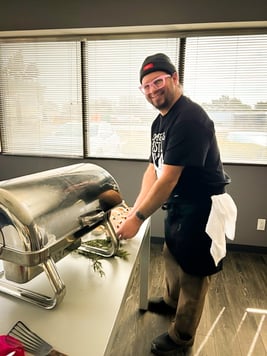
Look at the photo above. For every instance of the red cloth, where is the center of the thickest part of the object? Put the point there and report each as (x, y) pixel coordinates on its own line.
(9, 344)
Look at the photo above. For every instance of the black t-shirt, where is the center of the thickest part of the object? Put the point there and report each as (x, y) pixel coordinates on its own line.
(185, 136)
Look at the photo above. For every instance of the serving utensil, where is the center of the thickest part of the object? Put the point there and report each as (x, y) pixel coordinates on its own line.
(32, 343)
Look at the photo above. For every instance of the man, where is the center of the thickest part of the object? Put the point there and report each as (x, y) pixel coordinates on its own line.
(184, 172)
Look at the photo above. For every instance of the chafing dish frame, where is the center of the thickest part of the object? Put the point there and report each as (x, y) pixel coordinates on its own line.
(46, 258)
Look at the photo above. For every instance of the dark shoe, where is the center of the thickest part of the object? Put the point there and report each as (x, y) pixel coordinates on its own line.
(158, 306)
(164, 346)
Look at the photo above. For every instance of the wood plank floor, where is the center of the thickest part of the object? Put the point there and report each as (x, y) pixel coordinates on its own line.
(234, 321)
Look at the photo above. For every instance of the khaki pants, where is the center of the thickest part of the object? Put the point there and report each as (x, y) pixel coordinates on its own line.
(187, 294)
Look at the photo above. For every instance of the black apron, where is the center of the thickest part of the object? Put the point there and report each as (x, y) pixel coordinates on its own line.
(185, 235)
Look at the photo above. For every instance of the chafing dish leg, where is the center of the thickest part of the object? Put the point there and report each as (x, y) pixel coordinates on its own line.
(36, 298)
(56, 282)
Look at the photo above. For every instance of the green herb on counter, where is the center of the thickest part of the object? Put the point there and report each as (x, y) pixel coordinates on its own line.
(96, 263)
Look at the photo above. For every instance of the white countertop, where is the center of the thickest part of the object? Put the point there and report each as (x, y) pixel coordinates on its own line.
(84, 322)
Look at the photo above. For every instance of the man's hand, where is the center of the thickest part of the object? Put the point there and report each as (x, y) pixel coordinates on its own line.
(129, 227)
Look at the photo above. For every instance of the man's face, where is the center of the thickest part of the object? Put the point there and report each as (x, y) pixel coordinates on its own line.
(163, 97)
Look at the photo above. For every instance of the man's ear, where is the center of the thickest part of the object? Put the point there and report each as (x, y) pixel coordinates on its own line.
(175, 77)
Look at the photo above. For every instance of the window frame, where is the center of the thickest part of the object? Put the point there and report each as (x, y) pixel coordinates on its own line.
(154, 34)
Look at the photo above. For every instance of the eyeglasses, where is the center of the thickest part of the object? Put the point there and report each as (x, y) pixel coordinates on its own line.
(157, 83)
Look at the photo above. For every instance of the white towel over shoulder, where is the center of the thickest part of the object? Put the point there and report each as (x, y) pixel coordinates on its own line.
(221, 222)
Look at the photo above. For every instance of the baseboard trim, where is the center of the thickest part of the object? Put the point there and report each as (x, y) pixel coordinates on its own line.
(246, 248)
(230, 247)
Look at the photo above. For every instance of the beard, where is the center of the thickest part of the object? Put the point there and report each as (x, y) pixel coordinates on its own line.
(160, 100)
(162, 106)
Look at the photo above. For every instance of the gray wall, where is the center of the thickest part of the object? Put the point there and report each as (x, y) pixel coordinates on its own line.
(248, 186)
(248, 189)
(62, 14)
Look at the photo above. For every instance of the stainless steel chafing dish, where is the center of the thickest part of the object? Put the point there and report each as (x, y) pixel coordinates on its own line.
(44, 216)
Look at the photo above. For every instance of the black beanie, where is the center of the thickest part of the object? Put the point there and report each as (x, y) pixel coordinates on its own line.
(157, 62)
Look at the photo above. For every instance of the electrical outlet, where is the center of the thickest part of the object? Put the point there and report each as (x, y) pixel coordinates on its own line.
(261, 224)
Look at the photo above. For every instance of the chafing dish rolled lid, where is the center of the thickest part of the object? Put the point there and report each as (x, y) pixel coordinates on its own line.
(43, 215)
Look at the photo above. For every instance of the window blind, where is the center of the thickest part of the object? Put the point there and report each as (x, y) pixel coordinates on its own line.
(48, 104)
(40, 95)
(227, 75)
(119, 116)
